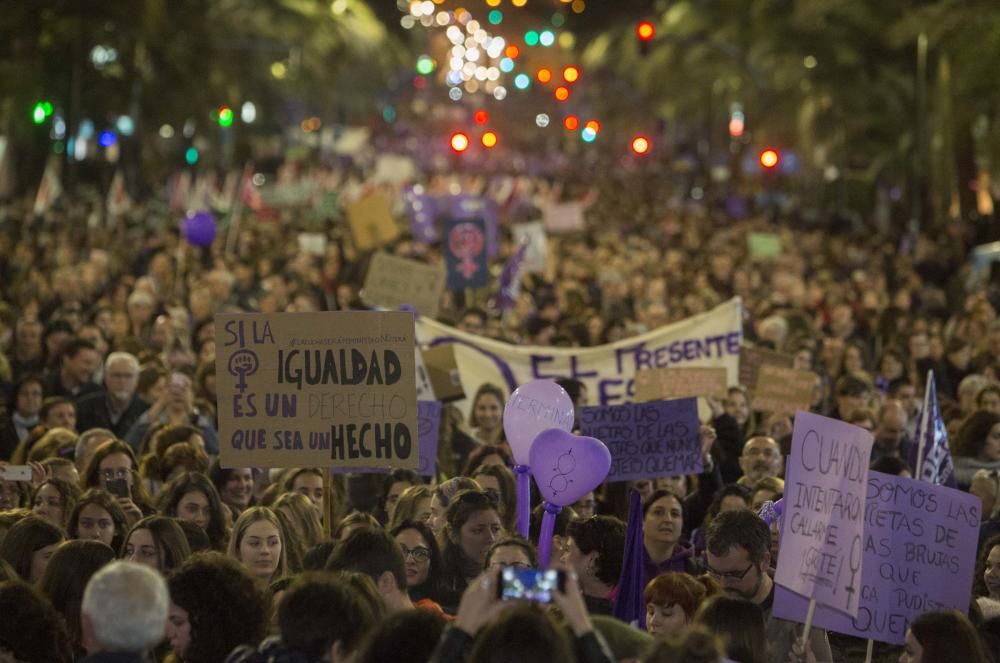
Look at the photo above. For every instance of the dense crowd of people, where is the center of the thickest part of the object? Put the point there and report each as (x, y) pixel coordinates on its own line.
(126, 539)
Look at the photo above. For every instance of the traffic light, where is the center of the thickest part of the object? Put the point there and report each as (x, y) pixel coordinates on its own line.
(489, 139)
(225, 116)
(769, 158)
(641, 145)
(481, 117)
(459, 142)
(41, 111)
(571, 74)
(645, 31)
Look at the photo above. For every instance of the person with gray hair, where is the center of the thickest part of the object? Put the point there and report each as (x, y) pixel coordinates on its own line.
(88, 441)
(124, 613)
(116, 406)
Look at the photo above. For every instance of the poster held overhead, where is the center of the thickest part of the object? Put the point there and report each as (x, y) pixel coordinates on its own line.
(822, 537)
(333, 389)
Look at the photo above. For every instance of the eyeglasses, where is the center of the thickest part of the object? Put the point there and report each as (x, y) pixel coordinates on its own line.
(110, 475)
(420, 553)
(728, 575)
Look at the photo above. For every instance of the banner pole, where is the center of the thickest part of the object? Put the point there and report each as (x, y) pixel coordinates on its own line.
(871, 649)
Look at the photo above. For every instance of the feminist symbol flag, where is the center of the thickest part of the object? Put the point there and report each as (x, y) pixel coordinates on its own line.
(510, 279)
(465, 253)
(932, 462)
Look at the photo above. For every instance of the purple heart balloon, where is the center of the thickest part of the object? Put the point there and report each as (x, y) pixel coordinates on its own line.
(534, 407)
(566, 467)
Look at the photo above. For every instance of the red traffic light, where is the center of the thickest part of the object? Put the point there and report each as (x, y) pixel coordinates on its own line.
(481, 117)
(641, 145)
(769, 158)
(645, 31)
(459, 142)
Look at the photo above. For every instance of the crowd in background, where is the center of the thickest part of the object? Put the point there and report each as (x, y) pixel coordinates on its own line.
(107, 349)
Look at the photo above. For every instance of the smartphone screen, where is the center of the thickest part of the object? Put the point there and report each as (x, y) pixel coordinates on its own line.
(15, 472)
(118, 487)
(529, 584)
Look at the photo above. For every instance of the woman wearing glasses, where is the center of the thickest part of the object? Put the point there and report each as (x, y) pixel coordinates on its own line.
(113, 468)
(423, 562)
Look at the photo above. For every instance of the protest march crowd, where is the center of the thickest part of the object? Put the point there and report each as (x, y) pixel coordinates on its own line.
(123, 537)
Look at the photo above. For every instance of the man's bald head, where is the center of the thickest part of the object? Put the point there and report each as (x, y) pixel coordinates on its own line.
(892, 422)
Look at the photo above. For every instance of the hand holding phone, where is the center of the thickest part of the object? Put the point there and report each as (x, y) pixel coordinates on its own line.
(118, 487)
(15, 472)
(537, 585)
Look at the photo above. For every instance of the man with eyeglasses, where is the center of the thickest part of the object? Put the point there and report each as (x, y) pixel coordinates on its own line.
(738, 554)
(376, 554)
(116, 407)
(761, 458)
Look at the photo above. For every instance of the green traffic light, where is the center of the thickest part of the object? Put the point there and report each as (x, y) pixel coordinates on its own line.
(191, 156)
(38, 113)
(225, 116)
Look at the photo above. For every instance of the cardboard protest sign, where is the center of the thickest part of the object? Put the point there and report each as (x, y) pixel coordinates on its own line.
(655, 439)
(429, 426)
(425, 390)
(764, 245)
(465, 253)
(335, 389)
(564, 218)
(533, 234)
(394, 169)
(780, 389)
(393, 282)
(919, 555)
(442, 369)
(751, 359)
(665, 383)
(822, 537)
(371, 221)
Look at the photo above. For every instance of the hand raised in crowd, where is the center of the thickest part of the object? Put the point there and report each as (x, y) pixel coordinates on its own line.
(801, 652)
(715, 405)
(479, 603)
(571, 604)
(38, 474)
(133, 513)
(708, 437)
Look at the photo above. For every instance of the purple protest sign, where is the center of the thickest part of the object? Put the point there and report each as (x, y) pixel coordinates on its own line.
(919, 555)
(822, 537)
(646, 440)
(428, 428)
(465, 253)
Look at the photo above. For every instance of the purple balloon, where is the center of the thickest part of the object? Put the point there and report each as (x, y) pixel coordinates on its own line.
(198, 228)
(534, 407)
(566, 467)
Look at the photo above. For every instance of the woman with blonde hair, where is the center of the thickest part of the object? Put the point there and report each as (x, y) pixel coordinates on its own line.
(304, 514)
(256, 542)
(413, 505)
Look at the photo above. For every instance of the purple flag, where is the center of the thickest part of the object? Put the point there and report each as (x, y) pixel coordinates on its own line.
(931, 456)
(510, 279)
(629, 604)
(422, 210)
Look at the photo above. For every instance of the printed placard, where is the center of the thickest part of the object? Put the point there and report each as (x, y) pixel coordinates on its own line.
(822, 537)
(665, 383)
(780, 389)
(333, 389)
(393, 281)
(919, 555)
(646, 440)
